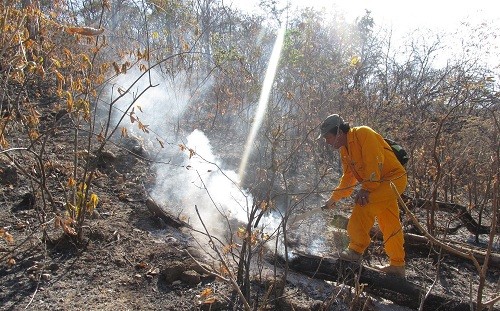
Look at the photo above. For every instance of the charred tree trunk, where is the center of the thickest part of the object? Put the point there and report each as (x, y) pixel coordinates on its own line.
(418, 241)
(170, 220)
(398, 290)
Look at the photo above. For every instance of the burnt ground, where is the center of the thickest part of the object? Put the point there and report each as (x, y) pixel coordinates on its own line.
(131, 260)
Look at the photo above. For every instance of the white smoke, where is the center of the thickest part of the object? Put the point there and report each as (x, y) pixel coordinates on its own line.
(159, 102)
(187, 176)
(199, 180)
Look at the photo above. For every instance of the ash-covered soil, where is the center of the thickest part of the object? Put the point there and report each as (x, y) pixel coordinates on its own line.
(132, 260)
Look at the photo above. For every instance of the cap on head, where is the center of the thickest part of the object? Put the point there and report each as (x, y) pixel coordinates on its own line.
(329, 123)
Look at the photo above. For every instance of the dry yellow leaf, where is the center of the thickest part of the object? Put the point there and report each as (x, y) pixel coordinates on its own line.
(355, 61)
(223, 270)
(9, 238)
(116, 67)
(11, 262)
(263, 205)
(207, 292)
(142, 265)
(59, 76)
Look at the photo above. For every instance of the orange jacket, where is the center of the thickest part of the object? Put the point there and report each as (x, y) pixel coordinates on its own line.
(374, 164)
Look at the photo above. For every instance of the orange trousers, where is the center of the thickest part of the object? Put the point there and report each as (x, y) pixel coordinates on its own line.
(387, 213)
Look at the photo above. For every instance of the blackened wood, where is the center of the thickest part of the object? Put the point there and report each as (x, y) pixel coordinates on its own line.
(157, 211)
(461, 211)
(398, 290)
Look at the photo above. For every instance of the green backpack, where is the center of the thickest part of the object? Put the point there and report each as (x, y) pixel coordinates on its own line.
(399, 151)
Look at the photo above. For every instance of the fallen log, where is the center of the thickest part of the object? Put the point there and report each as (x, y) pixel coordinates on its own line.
(157, 211)
(461, 211)
(420, 241)
(414, 240)
(398, 290)
(435, 241)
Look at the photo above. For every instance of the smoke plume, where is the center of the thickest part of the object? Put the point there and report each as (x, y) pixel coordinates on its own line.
(188, 171)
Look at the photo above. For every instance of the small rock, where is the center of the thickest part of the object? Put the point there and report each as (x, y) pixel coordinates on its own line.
(95, 215)
(61, 113)
(46, 277)
(171, 239)
(27, 203)
(153, 271)
(173, 271)
(8, 175)
(120, 262)
(191, 277)
(108, 156)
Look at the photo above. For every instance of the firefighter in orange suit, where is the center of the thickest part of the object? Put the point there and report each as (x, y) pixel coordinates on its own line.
(369, 161)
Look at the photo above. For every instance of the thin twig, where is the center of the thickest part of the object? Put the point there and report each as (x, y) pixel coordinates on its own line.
(202, 266)
(221, 258)
(39, 277)
(436, 278)
(28, 238)
(430, 237)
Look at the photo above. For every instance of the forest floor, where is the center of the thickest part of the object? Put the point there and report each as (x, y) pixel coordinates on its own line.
(132, 260)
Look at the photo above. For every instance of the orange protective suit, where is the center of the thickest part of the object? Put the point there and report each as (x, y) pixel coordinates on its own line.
(369, 160)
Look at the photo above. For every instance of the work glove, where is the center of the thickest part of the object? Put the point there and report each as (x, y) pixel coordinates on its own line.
(330, 204)
(362, 197)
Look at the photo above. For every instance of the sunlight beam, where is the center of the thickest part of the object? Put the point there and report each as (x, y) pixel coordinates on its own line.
(263, 100)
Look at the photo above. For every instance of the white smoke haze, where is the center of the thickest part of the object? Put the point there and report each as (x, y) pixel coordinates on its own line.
(198, 180)
(160, 106)
(195, 176)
